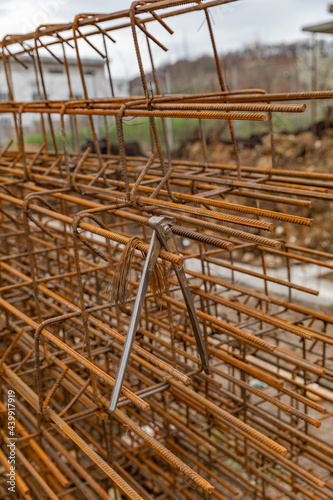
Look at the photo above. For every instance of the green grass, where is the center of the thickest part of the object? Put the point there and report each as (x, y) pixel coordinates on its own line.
(138, 129)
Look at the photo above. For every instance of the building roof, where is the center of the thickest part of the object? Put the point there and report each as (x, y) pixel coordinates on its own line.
(322, 27)
(326, 27)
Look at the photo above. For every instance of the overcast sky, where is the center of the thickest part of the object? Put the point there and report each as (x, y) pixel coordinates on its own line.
(236, 25)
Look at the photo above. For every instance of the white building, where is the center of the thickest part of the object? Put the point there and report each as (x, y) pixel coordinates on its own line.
(56, 83)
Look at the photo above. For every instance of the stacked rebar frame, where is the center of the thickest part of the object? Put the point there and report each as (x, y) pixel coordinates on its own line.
(70, 216)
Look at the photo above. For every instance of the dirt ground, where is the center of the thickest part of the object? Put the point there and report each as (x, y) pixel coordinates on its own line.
(303, 152)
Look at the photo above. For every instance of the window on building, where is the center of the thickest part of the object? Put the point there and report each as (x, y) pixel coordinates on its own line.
(4, 96)
(56, 71)
(89, 72)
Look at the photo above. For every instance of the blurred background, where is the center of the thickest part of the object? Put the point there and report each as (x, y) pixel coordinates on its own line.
(273, 45)
(241, 25)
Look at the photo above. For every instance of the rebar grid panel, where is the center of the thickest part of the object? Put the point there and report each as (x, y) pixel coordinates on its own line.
(247, 431)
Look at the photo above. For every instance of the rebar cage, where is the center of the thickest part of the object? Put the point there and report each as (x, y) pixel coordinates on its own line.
(247, 431)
